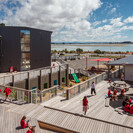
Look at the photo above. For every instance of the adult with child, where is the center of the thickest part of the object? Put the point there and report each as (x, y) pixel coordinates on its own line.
(93, 88)
(85, 104)
(23, 123)
(7, 91)
(114, 96)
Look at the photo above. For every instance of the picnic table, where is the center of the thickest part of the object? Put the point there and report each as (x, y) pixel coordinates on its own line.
(118, 85)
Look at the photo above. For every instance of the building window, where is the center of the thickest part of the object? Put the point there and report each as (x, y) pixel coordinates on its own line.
(45, 85)
(55, 82)
(25, 49)
(63, 79)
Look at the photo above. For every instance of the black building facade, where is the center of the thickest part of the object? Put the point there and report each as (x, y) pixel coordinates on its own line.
(24, 48)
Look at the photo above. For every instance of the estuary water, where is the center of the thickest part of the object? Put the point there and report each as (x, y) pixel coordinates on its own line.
(92, 47)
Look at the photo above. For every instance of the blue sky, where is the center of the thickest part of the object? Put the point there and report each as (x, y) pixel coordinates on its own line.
(73, 20)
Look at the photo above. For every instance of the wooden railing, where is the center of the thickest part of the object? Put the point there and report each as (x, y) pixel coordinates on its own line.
(47, 94)
(30, 96)
(77, 89)
(19, 94)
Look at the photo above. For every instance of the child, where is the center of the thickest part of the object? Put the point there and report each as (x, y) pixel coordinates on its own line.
(127, 107)
(31, 130)
(131, 109)
(23, 122)
(129, 100)
(93, 88)
(85, 104)
(123, 92)
(114, 95)
(11, 69)
(109, 80)
(109, 93)
(7, 91)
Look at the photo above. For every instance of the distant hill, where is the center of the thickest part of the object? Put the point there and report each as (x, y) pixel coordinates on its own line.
(125, 42)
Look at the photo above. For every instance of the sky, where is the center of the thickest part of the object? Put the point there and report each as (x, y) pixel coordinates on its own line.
(73, 20)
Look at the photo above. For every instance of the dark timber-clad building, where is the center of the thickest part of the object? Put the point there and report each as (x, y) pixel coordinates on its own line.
(24, 48)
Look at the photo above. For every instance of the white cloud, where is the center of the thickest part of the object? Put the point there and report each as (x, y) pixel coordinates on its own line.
(129, 20)
(96, 23)
(104, 21)
(113, 10)
(51, 14)
(116, 22)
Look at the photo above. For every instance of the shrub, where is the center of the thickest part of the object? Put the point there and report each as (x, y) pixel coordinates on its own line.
(71, 84)
(97, 51)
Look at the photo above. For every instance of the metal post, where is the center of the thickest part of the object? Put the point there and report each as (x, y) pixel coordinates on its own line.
(23, 96)
(36, 97)
(86, 63)
(49, 94)
(40, 96)
(28, 80)
(56, 89)
(17, 95)
(108, 72)
(79, 89)
(13, 84)
(68, 95)
(119, 72)
(31, 97)
(40, 80)
(50, 78)
(67, 74)
(59, 74)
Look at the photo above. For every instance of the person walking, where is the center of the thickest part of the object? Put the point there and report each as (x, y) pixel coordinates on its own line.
(85, 104)
(122, 77)
(93, 88)
(7, 91)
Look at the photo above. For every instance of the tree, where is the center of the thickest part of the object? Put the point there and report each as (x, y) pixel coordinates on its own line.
(79, 51)
(2, 24)
(97, 51)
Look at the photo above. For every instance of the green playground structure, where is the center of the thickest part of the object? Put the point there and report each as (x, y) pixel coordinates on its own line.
(75, 78)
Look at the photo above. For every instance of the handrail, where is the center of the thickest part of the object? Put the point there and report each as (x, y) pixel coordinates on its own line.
(86, 81)
(16, 88)
(77, 89)
(56, 86)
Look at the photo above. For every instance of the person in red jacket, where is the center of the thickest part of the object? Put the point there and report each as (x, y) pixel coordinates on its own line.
(123, 92)
(114, 96)
(109, 93)
(85, 104)
(23, 123)
(7, 91)
(127, 107)
(131, 109)
(129, 100)
(31, 130)
(11, 69)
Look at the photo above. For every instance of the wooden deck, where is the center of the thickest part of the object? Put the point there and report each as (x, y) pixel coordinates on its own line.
(96, 103)
(66, 114)
(10, 121)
